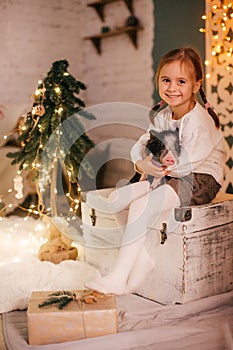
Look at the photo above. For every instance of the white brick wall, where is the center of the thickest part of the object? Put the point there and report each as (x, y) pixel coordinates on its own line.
(121, 73)
(33, 34)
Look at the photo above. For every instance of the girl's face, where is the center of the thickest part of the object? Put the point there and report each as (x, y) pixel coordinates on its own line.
(177, 85)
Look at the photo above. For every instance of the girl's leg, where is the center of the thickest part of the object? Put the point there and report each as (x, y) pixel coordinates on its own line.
(118, 199)
(142, 213)
(143, 265)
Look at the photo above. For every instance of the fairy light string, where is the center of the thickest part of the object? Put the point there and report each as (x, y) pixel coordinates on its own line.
(219, 33)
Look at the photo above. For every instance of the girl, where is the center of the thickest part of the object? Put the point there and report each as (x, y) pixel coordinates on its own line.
(195, 179)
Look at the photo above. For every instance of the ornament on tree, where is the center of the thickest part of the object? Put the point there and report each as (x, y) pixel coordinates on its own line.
(38, 110)
(18, 186)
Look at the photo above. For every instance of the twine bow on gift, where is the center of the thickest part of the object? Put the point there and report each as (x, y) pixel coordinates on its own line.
(63, 298)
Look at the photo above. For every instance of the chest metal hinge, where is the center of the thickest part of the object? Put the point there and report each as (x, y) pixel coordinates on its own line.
(93, 217)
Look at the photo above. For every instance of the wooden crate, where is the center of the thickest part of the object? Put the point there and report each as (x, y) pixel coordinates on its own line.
(192, 249)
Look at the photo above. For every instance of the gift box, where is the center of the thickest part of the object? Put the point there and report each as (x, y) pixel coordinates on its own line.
(85, 316)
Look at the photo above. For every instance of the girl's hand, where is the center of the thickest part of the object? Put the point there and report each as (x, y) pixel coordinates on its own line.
(146, 166)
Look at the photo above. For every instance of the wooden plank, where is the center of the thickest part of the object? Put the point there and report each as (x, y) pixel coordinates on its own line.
(208, 262)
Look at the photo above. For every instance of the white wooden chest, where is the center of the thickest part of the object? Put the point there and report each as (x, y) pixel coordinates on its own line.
(193, 253)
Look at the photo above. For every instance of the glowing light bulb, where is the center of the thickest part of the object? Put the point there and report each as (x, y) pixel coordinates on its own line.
(60, 110)
(16, 259)
(25, 242)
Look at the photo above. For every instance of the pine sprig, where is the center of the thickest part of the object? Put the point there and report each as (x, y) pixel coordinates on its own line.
(62, 302)
(63, 298)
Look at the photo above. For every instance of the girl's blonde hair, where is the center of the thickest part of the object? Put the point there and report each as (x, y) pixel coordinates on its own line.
(184, 55)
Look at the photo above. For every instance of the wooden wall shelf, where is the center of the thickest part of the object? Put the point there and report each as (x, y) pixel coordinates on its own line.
(131, 31)
(99, 6)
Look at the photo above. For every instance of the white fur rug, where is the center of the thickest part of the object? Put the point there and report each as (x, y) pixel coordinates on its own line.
(21, 272)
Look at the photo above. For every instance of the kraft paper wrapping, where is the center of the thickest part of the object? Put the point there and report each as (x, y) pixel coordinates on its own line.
(47, 325)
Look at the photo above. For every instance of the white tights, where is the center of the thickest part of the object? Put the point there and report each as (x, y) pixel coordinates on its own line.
(133, 262)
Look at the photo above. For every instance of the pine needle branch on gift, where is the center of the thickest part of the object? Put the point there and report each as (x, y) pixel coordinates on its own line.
(64, 292)
(63, 298)
(62, 302)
